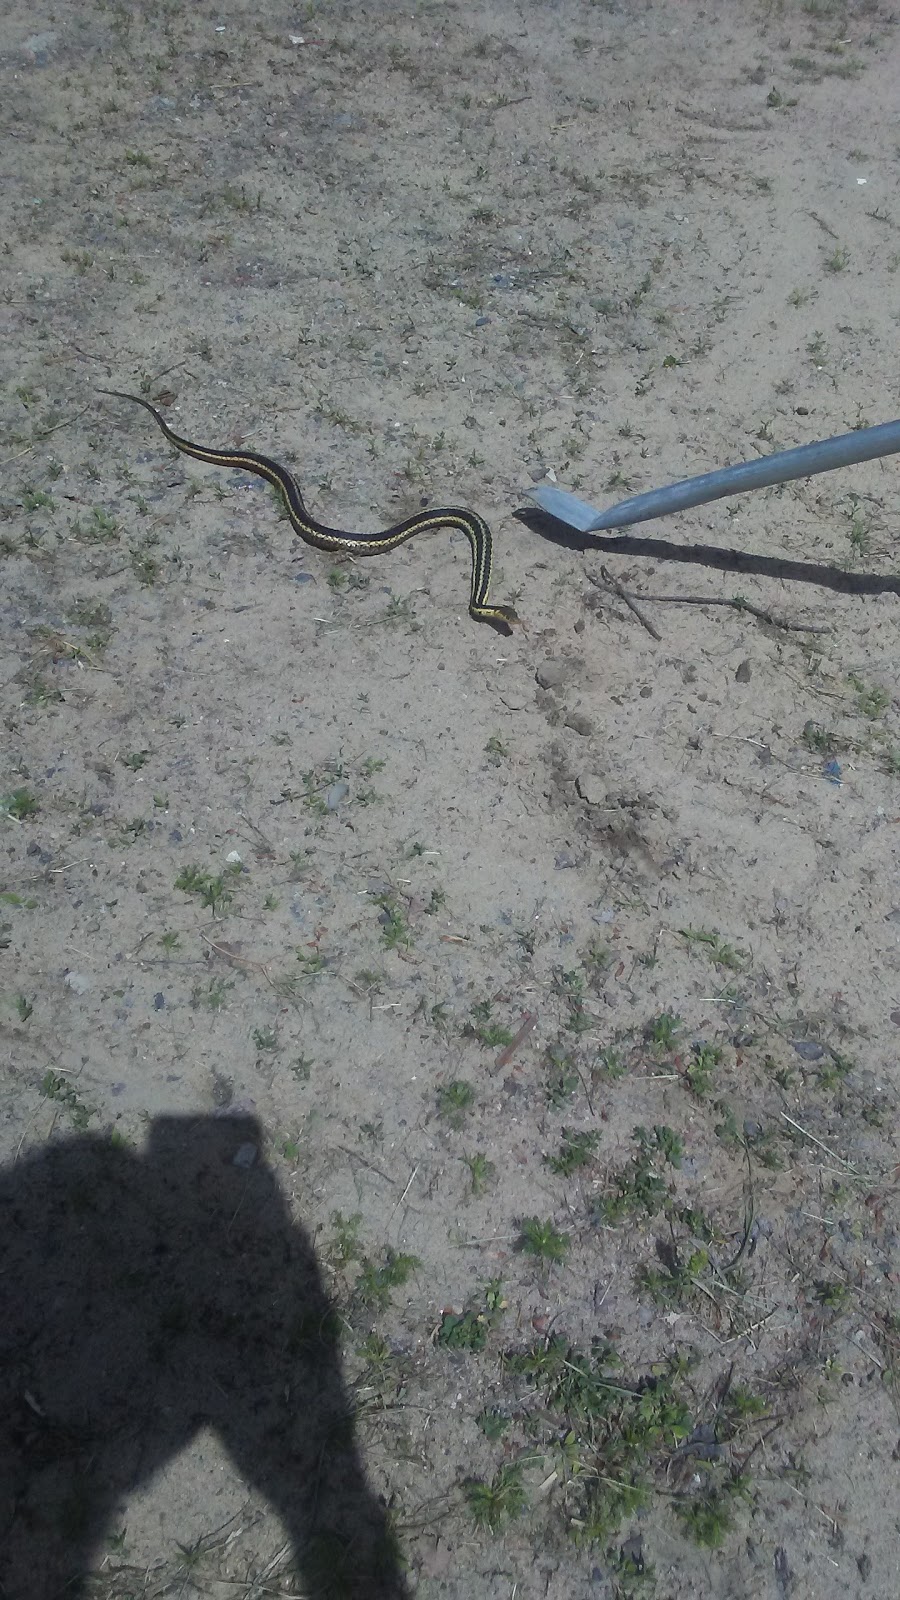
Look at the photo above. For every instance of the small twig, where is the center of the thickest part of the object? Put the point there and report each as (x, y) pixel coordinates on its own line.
(829, 1152)
(505, 1056)
(610, 582)
(736, 603)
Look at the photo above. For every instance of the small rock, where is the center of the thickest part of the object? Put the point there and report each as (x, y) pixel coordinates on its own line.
(78, 982)
(244, 1156)
(579, 723)
(336, 794)
(234, 858)
(566, 858)
(159, 1001)
(592, 788)
(552, 674)
(744, 673)
(808, 1049)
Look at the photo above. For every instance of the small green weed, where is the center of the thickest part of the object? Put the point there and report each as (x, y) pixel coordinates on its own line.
(708, 1516)
(493, 1423)
(18, 805)
(346, 1246)
(213, 891)
(213, 997)
(704, 1059)
(468, 1330)
(488, 1033)
(55, 1087)
(498, 1501)
(541, 1239)
(664, 1030)
(638, 1186)
(454, 1100)
(577, 1150)
(395, 930)
(720, 953)
(562, 1078)
(481, 1171)
(871, 700)
(374, 1285)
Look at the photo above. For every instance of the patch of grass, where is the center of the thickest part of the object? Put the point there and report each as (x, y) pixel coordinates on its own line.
(541, 1239)
(618, 1437)
(703, 1060)
(497, 1501)
(454, 1100)
(212, 889)
(838, 261)
(719, 952)
(395, 930)
(19, 804)
(136, 760)
(213, 997)
(638, 1187)
(265, 1038)
(871, 699)
(375, 1282)
(577, 1150)
(493, 1422)
(100, 528)
(663, 1031)
(312, 962)
(346, 1246)
(489, 1034)
(481, 1171)
(55, 1087)
(468, 1330)
(563, 1079)
(833, 1294)
(707, 1516)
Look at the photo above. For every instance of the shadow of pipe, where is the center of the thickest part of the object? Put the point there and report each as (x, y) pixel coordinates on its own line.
(707, 555)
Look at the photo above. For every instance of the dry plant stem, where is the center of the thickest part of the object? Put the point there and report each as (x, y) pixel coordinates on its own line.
(505, 1056)
(608, 581)
(703, 600)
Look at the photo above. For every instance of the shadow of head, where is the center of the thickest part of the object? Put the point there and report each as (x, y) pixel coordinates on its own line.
(147, 1294)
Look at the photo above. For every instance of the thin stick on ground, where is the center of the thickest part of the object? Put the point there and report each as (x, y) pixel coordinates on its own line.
(735, 603)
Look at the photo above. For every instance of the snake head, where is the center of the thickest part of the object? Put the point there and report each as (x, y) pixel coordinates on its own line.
(503, 618)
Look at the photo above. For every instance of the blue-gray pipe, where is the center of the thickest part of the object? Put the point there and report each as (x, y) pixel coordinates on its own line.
(824, 456)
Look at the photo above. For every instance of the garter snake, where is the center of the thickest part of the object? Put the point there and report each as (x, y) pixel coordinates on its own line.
(476, 530)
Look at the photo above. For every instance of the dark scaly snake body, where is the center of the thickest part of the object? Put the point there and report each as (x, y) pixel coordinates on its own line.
(476, 530)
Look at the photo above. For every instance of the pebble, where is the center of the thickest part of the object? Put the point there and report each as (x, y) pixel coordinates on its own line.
(744, 673)
(553, 673)
(592, 788)
(336, 794)
(808, 1049)
(244, 1156)
(579, 723)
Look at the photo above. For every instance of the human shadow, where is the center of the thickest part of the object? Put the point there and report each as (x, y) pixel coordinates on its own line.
(708, 555)
(145, 1295)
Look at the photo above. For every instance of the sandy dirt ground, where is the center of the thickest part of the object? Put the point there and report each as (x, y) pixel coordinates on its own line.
(449, 1083)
